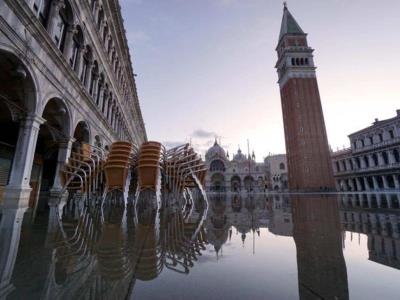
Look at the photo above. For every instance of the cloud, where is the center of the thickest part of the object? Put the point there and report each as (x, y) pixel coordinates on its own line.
(203, 134)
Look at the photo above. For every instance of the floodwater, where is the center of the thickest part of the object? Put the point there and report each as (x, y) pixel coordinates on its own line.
(228, 246)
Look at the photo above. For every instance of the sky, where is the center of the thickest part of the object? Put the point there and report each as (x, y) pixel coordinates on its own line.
(205, 68)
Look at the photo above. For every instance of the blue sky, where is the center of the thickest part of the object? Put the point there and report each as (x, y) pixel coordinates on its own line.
(206, 67)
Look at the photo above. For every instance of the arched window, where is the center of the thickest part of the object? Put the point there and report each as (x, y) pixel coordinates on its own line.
(93, 78)
(41, 8)
(293, 62)
(93, 5)
(306, 61)
(100, 84)
(282, 166)
(217, 165)
(116, 67)
(87, 57)
(77, 44)
(100, 18)
(302, 61)
(105, 100)
(297, 61)
(105, 34)
(109, 44)
(63, 18)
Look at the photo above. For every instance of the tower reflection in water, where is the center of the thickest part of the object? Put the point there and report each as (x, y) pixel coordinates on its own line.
(317, 233)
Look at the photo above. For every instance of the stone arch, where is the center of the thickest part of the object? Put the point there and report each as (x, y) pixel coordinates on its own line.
(82, 133)
(19, 81)
(217, 165)
(236, 183)
(64, 108)
(248, 182)
(58, 117)
(54, 132)
(217, 182)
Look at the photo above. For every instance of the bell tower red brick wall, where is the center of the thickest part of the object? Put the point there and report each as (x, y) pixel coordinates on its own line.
(308, 154)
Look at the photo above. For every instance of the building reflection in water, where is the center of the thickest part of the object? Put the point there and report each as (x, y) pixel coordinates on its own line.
(103, 251)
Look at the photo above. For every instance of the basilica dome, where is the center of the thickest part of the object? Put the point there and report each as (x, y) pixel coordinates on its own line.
(239, 156)
(215, 150)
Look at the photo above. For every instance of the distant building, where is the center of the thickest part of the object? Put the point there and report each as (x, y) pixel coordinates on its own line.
(307, 147)
(373, 161)
(242, 173)
(277, 176)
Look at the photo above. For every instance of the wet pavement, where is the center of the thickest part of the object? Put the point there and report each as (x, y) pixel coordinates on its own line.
(228, 246)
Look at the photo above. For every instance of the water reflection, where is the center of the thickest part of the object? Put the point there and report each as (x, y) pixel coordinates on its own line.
(106, 251)
(321, 267)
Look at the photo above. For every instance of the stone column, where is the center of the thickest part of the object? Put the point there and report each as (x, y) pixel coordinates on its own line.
(105, 105)
(355, 167)
(396, 181)
(79, 61)
(101, 96)
(375, 182)
(18, 188)
(371, 161)
(367, 187)
(385, 182)
(93, 81)
(86, 80)
(64, 151)
(344, 185)
(381, 161)
(10, 231)
(348, 166)
(351, 184)
(55, 7)
(71, 31)
(392, 160)
(362, 163)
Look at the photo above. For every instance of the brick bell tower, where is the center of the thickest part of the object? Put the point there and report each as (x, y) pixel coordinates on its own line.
(308, 155)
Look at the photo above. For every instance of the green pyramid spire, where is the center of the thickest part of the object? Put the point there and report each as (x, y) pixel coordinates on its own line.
(289, 24)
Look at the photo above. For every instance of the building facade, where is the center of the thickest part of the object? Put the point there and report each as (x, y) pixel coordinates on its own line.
(66, 78)
(307, 147)
(277, 176)
(242, 173)
(372, 162)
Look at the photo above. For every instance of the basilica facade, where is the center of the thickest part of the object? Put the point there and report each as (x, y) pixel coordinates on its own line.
(66, 78)
(241, 173)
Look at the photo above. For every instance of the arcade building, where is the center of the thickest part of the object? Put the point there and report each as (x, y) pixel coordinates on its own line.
(66, 78)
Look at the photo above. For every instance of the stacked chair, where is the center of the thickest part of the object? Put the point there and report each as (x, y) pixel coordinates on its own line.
(117, 165)
(83, 171)
(184, 168)
(149, 165)
(93, 172)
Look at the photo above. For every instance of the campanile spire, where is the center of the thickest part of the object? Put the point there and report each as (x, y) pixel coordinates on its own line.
(307, 149)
